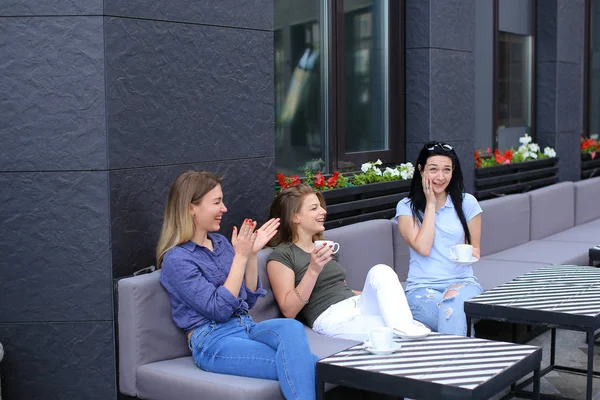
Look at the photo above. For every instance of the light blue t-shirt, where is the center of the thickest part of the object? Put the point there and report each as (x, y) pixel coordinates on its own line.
(438, 268)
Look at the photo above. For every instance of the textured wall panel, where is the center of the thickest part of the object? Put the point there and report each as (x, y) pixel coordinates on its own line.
(138, 198)
(58, 361)
(571, 22)
(50, 7)
(52, 84)
(180, 93)
(252, 14)
(569, 97)
(417, 24)
(453, 24)
(452, 94)
(567, 149)
(55, 262)
(546, 25)
(418, 106)
(546, 96)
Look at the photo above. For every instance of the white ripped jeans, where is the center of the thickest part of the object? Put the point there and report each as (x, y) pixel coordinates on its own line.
(381, 303)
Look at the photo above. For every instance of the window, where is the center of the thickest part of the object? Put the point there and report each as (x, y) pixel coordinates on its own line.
(336, 101)
(514, 71)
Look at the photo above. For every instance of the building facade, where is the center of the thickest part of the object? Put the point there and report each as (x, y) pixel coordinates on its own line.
(105, 102)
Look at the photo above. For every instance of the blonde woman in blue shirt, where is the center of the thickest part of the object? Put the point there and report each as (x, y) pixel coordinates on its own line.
(212, 284)
(436, 215)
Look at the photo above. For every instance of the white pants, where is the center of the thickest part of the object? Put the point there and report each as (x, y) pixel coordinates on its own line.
(381, 303)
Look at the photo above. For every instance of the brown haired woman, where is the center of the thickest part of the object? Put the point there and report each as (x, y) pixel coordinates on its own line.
(310, 280)
(213, 283)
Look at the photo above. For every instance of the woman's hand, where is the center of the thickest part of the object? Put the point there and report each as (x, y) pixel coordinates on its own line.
(428, 189)
(319, 257)
(265, 233)
(243, 241)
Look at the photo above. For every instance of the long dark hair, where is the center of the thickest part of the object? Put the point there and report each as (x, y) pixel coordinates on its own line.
(284, 206)
(455, 188)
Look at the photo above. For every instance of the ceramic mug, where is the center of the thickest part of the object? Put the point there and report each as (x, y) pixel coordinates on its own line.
(461, 252)
(335, 247)
(381, 338)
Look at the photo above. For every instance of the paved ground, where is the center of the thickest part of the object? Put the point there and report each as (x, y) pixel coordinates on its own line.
(571, 351)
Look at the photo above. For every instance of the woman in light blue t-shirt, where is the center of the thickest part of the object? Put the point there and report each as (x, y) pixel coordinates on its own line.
(435, 216)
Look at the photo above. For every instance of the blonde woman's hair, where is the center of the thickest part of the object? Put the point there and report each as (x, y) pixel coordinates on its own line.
(287, 203)
(178, 226)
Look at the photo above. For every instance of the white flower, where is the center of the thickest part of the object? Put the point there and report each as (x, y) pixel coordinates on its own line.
(549, 151)
(391, 172)
(534, 147)
(365, 167)
(533, 155)
(594, 136)
(523, 149)
(525, 139)
(406, 174)
(378, 162)
(377, 171)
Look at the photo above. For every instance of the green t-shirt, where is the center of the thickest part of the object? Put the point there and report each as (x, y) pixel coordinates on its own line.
(330, 287)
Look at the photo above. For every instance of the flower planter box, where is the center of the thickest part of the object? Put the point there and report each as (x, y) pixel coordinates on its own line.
(365, 202)
(590, 168)
(500, 180)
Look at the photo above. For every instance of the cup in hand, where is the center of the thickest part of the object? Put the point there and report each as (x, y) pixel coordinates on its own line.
(381, 338)
(335, 247)
(461, 252)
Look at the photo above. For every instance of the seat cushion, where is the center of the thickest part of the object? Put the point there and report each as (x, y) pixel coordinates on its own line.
(589, 232)
(552, 209)
(180, 378)
(491, 273)
(547, 252)
(587, 193)
(505, 223)
(401, 254)
(266, 307)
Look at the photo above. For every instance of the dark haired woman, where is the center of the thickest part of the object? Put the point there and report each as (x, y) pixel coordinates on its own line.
(435, 216)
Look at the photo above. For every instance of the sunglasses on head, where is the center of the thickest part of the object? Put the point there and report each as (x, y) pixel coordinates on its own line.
(441, 145)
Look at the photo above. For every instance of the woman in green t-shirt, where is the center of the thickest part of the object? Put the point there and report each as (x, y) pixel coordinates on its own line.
(309, 281)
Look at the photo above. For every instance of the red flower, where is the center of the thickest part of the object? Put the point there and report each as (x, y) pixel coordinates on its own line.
(508, 155)
(489, 151)
(319, 180)
(332, 181)
(499, 157)
(281, 180)
(477, 159)
(294, 180)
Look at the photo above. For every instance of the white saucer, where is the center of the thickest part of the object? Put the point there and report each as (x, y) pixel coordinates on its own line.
(471, 261)
(378, 352)
(407, 336)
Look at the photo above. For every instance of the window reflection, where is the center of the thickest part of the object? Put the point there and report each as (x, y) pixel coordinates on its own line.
(514, 76)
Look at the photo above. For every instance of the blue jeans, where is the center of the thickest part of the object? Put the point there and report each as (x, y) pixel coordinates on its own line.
(442, 307)
(275, 349)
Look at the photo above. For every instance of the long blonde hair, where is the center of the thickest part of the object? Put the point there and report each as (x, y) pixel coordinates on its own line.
(178, 225)
(285, 205)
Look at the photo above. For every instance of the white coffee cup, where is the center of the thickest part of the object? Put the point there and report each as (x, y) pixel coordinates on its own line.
(335, 247)
(461, 252)
(381, 338)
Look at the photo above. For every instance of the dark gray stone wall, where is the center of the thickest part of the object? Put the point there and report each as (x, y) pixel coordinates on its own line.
(104, 103)
(560, 47)
(440, 76)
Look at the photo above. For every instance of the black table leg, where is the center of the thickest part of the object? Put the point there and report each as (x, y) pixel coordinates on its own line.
(468, 327)
(320, 389)
(590, 364)
(536, 384)
(552, 346)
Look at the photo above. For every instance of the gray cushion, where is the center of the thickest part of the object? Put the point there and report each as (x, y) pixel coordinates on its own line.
(552, 209)
(492, 273)
(505, 223)
(146, 330)
(547, 252)
(266, 307)
(587, 195)
(589, 232)
(401, 254)
(182, 379)
(362, 246)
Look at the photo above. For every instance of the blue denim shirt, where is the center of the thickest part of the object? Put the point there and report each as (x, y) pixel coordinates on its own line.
(194, 277)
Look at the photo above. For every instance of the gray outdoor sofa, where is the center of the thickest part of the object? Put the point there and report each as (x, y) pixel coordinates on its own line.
(556, 224)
